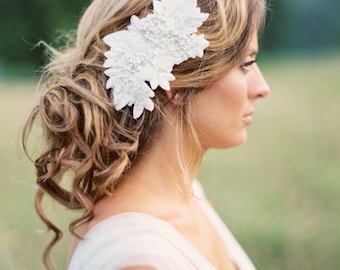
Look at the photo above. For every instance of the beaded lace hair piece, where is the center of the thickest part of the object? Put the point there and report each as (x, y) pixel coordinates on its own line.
(141, 58)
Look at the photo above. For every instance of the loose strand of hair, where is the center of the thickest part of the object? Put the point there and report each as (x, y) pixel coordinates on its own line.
(57, 232)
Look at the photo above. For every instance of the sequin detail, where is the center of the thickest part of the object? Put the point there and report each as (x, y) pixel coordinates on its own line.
(142, 57)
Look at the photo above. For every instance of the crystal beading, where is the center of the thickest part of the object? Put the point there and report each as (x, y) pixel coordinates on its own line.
(148, 50)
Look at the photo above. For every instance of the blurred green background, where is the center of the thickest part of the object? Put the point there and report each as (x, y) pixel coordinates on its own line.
(279, 193)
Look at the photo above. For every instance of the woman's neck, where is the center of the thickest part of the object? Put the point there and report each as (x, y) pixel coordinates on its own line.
(154, 185)
(164, 167)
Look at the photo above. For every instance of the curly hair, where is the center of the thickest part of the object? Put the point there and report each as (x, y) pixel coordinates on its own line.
(82, 131)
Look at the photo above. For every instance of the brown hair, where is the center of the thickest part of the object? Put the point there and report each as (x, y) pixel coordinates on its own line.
(83, 132)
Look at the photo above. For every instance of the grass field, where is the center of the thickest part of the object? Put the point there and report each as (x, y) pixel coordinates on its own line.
(279, 194)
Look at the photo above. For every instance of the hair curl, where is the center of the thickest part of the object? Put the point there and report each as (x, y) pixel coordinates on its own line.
(83, 132)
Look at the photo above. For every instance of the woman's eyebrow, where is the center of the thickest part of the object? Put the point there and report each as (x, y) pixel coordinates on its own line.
(253, 52)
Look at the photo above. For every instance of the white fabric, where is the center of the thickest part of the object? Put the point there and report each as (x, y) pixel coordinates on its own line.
(133, 238)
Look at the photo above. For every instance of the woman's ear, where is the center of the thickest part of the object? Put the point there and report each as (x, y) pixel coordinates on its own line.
(176, 97)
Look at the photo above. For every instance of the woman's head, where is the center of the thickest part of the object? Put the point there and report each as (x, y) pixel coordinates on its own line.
(83, 131)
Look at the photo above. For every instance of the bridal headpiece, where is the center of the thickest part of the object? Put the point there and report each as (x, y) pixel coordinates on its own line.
(142, 57)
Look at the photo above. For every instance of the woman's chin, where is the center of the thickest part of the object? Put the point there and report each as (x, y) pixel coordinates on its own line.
(232, 141)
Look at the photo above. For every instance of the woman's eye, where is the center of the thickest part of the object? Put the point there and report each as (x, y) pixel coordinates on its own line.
(247, 64)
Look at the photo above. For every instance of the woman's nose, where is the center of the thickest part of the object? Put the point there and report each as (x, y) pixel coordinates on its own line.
(258, 87)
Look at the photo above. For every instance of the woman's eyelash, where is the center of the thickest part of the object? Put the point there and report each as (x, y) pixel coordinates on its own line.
(246, 65)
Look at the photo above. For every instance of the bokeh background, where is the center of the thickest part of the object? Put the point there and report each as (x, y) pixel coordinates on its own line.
(279, 193)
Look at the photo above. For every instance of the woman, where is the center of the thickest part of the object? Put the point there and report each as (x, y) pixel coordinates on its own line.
(130, 109)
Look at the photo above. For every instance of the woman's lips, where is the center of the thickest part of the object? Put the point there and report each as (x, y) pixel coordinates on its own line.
(247, 118)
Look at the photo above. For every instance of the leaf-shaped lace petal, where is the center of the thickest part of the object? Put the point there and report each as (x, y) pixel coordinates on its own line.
(148, 50)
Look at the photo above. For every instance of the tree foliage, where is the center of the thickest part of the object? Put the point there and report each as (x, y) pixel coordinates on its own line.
(302, 25)
(26, 22)
(291, 25)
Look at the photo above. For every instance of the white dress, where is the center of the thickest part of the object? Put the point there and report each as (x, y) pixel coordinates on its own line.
(132, 238)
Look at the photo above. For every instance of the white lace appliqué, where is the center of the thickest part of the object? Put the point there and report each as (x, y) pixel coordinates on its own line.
(142, 57)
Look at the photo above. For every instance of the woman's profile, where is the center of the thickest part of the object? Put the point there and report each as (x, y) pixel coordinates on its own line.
(128, 112)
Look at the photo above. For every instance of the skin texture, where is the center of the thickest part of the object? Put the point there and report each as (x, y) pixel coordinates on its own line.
(222, 113)
(224, 109)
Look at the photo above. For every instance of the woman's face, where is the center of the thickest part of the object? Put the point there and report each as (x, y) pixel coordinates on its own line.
(224, 109)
